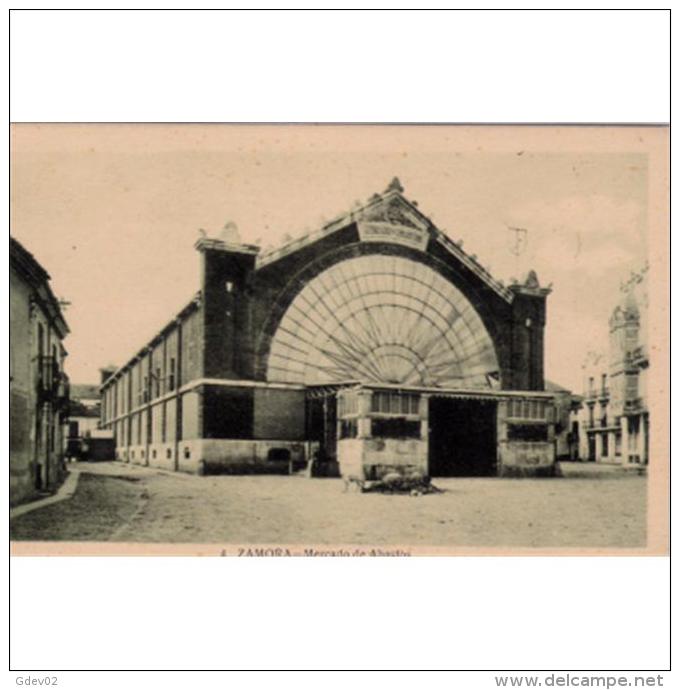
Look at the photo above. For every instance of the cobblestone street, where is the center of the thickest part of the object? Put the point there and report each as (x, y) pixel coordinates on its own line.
(590, 507)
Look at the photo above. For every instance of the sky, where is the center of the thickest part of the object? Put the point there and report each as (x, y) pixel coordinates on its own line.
(112, 212)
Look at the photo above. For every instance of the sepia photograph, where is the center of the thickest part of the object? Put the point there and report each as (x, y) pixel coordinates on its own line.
(339, 343)
(338, 340)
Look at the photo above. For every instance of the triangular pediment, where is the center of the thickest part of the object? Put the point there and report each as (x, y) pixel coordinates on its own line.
(390, 217)
(392, 209)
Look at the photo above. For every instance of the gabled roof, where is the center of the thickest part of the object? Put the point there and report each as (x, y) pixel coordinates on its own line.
(391, 208)
(84, 391)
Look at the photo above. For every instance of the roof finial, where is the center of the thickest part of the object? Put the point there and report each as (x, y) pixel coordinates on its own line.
(230, 233)
(531, 281)
(395, 186)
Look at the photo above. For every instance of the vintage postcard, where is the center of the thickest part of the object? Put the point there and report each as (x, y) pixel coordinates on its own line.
(339, 340)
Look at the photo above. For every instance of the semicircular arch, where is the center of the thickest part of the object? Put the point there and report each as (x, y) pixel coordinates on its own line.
(381, 318)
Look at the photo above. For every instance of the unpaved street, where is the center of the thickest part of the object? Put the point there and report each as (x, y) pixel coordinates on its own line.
(117, 502)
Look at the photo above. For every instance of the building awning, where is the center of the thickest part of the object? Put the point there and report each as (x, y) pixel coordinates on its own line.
(455, 393)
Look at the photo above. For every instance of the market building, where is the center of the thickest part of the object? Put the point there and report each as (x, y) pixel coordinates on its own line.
(373, 344)
(38, 384)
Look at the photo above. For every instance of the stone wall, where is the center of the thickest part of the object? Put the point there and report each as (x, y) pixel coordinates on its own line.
(374, 457)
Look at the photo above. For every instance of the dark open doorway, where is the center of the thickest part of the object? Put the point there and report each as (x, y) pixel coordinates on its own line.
(321, 414)
(462, 439)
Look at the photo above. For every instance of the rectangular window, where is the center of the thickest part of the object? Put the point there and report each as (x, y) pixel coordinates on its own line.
(41, 340)
(605, 445)
(171, 375)
(550, 413)
(164, 422)
(527, 432)
(348, 428)
(348, 403)
(395, 428)
(158, 382)
(380, 402)
(395, 403)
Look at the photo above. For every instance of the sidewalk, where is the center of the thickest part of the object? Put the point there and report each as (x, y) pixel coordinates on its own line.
(66, 490)
(118, 468)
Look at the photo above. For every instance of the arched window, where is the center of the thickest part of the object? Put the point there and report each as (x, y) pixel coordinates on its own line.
(383, 319)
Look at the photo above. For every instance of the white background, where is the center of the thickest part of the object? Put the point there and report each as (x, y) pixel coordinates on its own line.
(429, 613)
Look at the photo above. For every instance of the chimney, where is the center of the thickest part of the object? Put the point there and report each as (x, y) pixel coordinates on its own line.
(107, 372)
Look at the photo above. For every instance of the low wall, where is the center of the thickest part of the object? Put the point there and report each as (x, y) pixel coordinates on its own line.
(225, 456)
(373, 458)
(526, 459)
(219, 456)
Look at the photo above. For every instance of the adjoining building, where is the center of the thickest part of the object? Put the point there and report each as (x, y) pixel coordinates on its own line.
(614, 418)
(373, 344)
(83, 418)
(38, 384)
(566, 427)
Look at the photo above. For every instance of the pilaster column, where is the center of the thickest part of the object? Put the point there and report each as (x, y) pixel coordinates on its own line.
(625, 451)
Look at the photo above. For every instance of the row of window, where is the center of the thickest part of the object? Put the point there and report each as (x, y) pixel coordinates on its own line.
(409, 404)
(381, 401)
(140, 427)
(396, 427)
(153, 454)
(538, 410)
(151, 386)
(395, 403)
(155, 384)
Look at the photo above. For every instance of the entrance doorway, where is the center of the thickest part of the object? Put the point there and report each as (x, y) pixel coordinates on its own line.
(462, 440)
(321, 413)
(591, 447)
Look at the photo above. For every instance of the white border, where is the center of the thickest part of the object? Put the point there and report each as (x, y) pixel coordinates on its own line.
(368, 66)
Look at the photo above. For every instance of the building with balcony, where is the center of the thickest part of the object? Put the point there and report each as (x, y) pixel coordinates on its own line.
(629, 367)
(371, 345)
(38, 385)
(614, 417)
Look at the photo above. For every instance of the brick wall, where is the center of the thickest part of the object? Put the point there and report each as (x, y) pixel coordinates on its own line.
(279, 414)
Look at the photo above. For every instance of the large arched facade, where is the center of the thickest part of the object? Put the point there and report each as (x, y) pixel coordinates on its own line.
(373, 344)
(382, 318)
